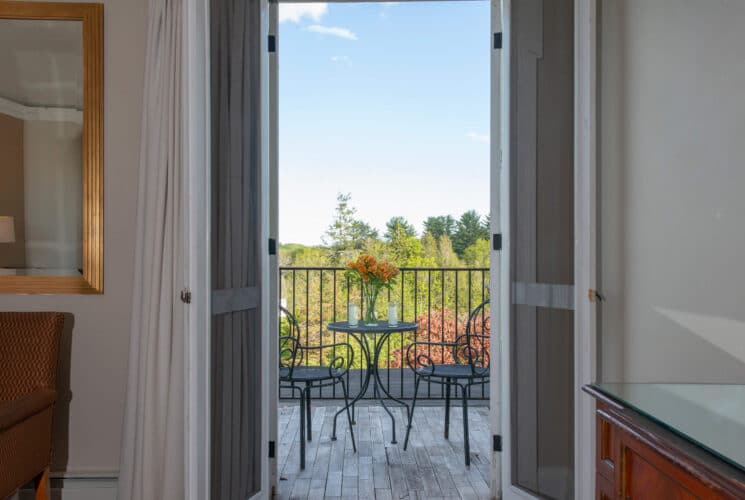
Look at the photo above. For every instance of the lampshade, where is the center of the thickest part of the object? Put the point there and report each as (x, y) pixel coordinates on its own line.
(7, 229)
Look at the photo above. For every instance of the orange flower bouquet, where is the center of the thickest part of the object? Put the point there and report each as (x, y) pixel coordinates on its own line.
(373, 277)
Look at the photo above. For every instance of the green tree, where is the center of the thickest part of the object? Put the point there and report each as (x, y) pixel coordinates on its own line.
(446, 255)
(303, 256)
(430, 251)
(407, 251)
(477, 255)
(398, 227)
(440, 225)
(346, 233)
(469, 230)
(487, 223)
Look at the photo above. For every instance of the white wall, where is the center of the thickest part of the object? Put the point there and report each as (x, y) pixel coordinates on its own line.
(53, 177)
(672, 165)
(100, 339)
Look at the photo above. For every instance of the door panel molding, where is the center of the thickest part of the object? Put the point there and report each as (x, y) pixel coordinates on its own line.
(554, 296)
(235, 299)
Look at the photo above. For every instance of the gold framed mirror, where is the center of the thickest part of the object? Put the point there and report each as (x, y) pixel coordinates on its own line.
(51, 136)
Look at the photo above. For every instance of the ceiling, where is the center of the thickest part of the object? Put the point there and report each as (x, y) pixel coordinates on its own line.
(41, 63)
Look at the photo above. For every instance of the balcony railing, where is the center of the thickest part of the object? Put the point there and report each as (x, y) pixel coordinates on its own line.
(438, 299)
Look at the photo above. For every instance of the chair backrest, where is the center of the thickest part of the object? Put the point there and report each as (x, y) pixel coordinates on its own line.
(29, 347)
(472, 347)
(290, 354)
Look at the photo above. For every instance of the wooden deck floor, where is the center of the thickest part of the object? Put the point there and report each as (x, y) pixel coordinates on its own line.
(431, 468)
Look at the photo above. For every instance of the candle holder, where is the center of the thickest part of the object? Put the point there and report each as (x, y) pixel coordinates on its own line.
(393, 314)
(353, 314)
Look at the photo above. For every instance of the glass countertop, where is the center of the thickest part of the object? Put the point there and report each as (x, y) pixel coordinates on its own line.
(710, 415)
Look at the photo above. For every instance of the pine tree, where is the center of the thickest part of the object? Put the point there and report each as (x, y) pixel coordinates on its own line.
(470, 229)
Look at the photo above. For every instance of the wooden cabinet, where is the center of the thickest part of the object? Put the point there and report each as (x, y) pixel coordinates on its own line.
(638, 459)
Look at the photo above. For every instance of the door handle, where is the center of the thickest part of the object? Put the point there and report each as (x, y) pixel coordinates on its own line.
(595, 296)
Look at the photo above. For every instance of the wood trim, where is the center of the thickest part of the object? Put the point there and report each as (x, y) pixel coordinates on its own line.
(91, 15)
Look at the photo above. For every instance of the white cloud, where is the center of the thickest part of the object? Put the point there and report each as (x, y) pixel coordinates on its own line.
(296, 12)
(332, 31)
(345, 60)
(479, 137)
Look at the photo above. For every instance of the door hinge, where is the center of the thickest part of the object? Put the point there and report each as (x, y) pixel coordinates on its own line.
(272, 43)
(497, 445)
(271, 449)
(498, 40)
(272, 246)
(497, 241)
(186, 296)
(594, 295)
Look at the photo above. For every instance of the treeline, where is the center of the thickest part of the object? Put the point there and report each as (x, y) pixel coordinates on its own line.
(438, 300)
(445, 241)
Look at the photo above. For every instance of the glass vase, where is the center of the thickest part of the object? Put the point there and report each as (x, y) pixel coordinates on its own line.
(370, 297)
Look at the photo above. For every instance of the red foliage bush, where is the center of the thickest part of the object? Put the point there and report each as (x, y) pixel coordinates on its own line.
(443, 326)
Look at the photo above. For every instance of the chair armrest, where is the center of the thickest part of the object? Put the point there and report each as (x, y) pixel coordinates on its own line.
(423, 360)
(479, 336)
(478, 356)
(339, 365)
(17, 410)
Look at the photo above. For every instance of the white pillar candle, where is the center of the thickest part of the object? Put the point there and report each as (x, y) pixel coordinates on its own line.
(392, 314)
(352, 314)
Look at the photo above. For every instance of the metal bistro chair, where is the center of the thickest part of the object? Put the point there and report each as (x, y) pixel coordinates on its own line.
(470, 367)
(293, 372)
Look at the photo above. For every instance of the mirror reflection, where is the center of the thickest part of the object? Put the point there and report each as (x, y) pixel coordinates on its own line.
(41, 148)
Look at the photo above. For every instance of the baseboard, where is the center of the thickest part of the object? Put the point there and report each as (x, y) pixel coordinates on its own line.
(78, 488)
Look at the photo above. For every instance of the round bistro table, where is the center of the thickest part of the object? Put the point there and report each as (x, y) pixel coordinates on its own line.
(371, 338)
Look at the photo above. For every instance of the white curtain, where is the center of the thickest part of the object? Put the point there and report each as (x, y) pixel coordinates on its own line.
(152, 459)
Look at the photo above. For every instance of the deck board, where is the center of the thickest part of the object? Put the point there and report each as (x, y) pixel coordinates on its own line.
(432, 467)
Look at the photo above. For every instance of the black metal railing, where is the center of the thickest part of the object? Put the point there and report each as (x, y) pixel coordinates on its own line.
(438, 299)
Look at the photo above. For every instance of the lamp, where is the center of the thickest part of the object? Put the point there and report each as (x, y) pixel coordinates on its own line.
(7, 229)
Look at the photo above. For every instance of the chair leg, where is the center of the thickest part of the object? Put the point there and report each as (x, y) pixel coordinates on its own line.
(447, 409)
(466, 442)
(349, 414)
(42, 485)
(411, 412)
(307, 411)
(302, 429)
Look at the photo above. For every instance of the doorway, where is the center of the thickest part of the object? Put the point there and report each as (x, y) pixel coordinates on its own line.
(530, 283)
(383, 126)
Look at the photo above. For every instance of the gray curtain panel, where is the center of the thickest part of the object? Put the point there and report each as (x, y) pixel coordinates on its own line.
(236, 176)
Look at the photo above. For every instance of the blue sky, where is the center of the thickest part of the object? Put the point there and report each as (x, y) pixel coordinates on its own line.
(388, 102)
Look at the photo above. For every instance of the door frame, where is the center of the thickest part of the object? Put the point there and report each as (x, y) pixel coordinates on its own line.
(498, 261)
(273, 271)
(269, 315)
(585, 252)
(197, 255)
(197, 157)
(501, 198)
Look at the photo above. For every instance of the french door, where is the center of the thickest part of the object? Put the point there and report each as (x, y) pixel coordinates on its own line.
(537, 260)
(243, 402)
